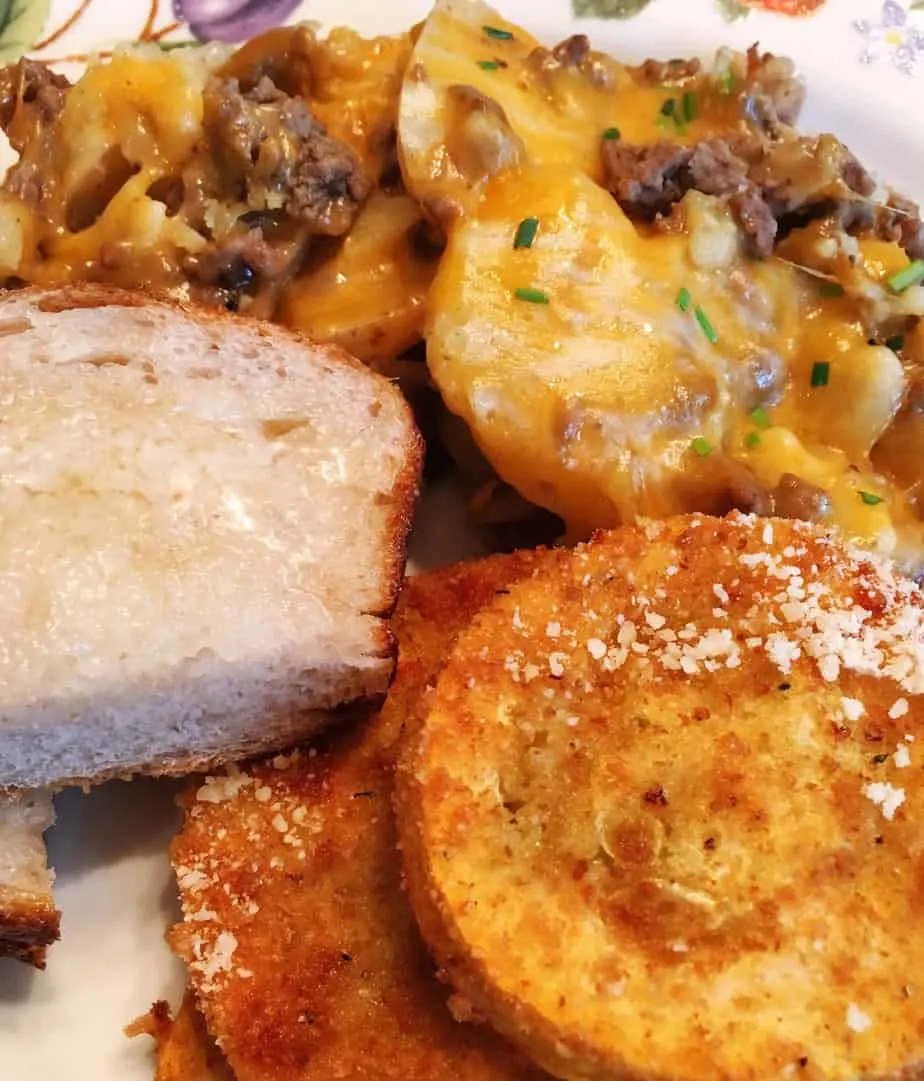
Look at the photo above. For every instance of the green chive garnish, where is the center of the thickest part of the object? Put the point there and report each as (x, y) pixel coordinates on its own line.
(727, 82)
(821, 369)
(707, 327)
(526, 233)
(488, 65)
(496, 33)
(896, 344)
(911, 275)
(752, 440)
(689, 105)
(612, 133)
(169, 46)
(760, 418)
(832, 289)
(701, 446)
(667, 109)
(871, 499)
(532, 296)
(684, 299)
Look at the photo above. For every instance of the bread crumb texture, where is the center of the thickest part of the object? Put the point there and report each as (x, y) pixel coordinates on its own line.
(299, 940)
(682, 837)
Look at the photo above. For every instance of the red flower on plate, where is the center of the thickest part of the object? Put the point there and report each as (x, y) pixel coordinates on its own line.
(787, 7)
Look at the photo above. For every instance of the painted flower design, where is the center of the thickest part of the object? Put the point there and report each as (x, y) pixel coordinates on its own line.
(232, 20)
(787, 7)
(893, 36)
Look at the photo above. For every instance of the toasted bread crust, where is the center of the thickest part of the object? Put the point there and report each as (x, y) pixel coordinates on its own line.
(323, 939)
(29, 924)
(659, 820)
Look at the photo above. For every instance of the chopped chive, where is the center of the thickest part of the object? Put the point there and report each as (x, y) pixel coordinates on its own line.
(760, 418)
(532, 296)
(896, 344)
(911, 275)
(707, 327)
(612, 133)
(669, 107)
(496, 33)
(727, 82)
(488, 65)
(821, 370)
(871, 499)
(169, 46)
(684, 300)
(701, 446)
(526, 233)
(832, 289)
(689, 105)
(752, 440)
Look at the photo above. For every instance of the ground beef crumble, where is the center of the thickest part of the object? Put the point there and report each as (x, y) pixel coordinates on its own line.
(273, 154)
(771, 186)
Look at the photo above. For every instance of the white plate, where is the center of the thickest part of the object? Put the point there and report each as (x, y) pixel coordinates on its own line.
(864, 60)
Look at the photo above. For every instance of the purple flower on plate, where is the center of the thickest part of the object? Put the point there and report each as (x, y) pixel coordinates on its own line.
(232, 20)
(893, 36)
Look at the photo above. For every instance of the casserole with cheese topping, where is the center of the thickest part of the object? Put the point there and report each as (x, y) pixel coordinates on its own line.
(652, 294)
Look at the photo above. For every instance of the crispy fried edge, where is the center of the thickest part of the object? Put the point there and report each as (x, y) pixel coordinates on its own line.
(431, 610)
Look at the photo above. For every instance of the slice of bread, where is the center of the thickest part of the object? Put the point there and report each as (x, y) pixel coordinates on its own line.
(29, 921)
(204, 525)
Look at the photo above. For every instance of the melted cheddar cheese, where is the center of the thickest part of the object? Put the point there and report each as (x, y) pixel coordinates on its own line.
(608, 371)
(550, 110)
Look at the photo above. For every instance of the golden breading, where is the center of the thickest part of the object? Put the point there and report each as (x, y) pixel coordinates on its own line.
(301, 946)
(185, 1051)
(663, 818)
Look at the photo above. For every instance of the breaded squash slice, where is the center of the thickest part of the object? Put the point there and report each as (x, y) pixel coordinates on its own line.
(301, 947)
(663, 818)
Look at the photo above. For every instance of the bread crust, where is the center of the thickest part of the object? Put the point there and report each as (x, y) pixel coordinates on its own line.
(639, 867)
(279, 721)
(29, 924)
(323, 939)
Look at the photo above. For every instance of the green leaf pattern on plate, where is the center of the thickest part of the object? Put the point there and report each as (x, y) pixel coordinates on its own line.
(732, 10)
(21, 25)
(609, 9)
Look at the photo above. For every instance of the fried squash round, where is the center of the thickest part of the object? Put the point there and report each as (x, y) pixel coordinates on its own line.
(302, 950)
(663, 818)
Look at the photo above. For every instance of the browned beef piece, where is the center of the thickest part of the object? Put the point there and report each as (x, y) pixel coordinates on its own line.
(664, 72)
(272, 153)
(773, 93)
(900, 221)
(571, 51)
(31, 96)
(794, 497)
(646, 180)
(791, 498)
(771, 186)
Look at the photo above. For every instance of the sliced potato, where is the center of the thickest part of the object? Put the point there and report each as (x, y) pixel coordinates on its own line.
(481, 94)
(607, 372)
(367, 292)
(588, 403)
(355, 86)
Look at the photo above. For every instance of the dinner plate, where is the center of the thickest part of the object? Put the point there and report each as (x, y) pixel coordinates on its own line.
(864, 62)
